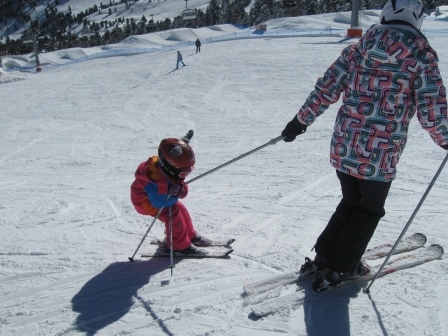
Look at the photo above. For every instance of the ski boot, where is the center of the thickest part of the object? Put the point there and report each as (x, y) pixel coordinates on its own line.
(191, 251)
(201, 241)
(311, 266)
(327, 278)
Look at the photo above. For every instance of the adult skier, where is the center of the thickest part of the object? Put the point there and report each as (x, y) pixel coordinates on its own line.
(388, 75)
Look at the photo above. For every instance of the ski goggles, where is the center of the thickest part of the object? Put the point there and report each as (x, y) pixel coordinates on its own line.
(184, 172)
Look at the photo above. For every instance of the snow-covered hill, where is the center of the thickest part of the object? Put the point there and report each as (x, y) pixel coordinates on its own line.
(156, 10)
(73, 135)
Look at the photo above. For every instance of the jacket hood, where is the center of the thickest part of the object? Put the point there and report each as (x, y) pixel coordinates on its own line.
(389, 44)
(141, 172)
(149, 171)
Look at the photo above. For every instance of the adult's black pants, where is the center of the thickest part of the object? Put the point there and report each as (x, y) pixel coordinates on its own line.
(352, 225)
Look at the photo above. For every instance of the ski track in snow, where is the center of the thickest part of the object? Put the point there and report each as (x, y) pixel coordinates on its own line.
(72, 138)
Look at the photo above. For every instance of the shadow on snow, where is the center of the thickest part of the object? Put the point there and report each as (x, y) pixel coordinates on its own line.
(328, 313)
(108, 296)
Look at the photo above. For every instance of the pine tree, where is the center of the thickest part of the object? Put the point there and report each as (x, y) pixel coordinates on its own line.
(429, 4)
(265, 13)
(312, 10)
(200, 19)
(255, 12)
(229, 14)
(331, 6)
(212, 13)
(239, 13)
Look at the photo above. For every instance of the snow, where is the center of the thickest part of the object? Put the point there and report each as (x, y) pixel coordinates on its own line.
(73, 135)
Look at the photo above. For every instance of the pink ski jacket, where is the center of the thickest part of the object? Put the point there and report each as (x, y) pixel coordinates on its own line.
(149, 191)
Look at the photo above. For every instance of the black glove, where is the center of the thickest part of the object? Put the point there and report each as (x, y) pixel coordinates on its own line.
(445, 147)
(293, 129)
(178, 190)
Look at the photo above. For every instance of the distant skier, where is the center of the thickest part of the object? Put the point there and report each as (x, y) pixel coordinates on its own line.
(198, 45)
(159, 182)
(390, 74)
(179, 59)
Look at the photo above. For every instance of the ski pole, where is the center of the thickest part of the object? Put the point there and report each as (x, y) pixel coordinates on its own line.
(171, 240)
(271, 142)
(187, 138)
(367, 289)
(147, 231)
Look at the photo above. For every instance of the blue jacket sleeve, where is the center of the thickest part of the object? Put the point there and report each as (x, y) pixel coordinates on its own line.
(158, 200)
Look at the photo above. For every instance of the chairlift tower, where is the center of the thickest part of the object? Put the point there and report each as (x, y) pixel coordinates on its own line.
(355, 30)
(36, 52)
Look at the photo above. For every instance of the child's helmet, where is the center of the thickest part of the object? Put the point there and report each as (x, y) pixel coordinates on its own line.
(176, 158)
(410, 11)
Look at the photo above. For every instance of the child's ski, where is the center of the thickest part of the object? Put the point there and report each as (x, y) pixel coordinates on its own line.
(212, 242)
(400, 262)
(209, 252)
(408, 243)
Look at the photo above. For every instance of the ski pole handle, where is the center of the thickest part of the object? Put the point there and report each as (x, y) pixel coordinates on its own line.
(277, 139)
(271, 142)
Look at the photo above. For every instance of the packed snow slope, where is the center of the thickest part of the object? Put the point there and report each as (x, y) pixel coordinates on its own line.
(73, 135)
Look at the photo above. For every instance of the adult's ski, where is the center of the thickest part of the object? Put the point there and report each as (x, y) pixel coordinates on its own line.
(209, 252)
(408, 243)
(403, 261)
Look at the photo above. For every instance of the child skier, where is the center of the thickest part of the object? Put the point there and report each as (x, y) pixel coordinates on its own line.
(159, 182)
(388, 76)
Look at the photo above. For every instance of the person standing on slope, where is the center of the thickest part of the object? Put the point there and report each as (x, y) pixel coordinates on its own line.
(198, 45)
(159, 182)
(388, 75)
(179, 59)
